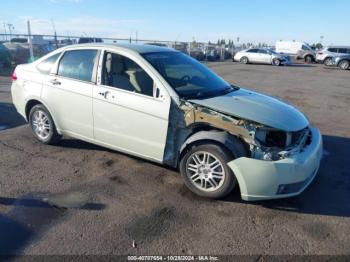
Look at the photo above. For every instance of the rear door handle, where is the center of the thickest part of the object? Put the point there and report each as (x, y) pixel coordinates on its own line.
(55, 82)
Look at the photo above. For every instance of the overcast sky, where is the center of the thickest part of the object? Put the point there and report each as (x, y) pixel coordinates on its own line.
(184, 20)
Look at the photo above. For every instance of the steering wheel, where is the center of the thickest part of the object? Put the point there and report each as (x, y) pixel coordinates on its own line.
(186, 78)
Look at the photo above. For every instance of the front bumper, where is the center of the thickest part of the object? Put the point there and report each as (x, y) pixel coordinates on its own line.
(262, 180)
(286, 61)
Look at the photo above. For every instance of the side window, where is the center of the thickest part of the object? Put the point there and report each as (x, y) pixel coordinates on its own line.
(78, 64)
(45, 66)
(122, 72)
(334, 50)
(348, 50)
(342, 50)
(262, 51)
(252, 51)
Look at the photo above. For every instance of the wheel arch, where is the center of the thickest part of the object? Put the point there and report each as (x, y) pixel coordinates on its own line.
(35, 101)
(313, 58)
(232, 143)
(327, 57)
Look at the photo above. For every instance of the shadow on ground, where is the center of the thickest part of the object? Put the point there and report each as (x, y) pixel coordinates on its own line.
(301, 65)
(31, 216)
(328, 194)
(9, 116)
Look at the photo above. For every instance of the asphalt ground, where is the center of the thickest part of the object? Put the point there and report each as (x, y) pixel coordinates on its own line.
(78, 198)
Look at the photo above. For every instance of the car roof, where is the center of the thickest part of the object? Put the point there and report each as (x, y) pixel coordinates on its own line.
(338, 46)
(138, 48)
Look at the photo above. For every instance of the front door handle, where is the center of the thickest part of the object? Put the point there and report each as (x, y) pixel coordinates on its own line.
(55, 82)
(105, 94)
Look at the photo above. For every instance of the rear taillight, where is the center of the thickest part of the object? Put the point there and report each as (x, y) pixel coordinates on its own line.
(14, 75)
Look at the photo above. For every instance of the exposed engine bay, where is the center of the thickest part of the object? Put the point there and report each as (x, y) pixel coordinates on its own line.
(265, 143)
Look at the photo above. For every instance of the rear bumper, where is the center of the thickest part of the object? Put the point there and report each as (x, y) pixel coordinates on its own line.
(18, 98)
(262, 180)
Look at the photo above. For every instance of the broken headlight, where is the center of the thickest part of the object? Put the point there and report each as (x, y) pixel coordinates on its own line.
(272, 144)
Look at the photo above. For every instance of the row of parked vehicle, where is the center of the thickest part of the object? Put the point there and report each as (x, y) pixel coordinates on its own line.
(286, 51)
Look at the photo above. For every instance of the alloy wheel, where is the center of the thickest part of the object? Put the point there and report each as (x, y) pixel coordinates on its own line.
(41, 124)
(206, 172)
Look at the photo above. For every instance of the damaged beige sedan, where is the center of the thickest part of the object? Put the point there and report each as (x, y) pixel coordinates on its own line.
(161, 105)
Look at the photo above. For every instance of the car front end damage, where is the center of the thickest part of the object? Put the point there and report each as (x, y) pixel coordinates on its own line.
(277, 172)
(279, 163)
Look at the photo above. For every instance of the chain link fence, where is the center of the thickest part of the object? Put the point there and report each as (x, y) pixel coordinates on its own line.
(14, 48)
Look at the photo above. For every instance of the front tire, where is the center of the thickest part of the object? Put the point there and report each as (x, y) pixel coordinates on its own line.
(344, 64)
(43, 126)
(205, 171)
(276, 62)
(327, 61)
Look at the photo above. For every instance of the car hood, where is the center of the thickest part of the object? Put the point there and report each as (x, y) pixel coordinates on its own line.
(257, 107)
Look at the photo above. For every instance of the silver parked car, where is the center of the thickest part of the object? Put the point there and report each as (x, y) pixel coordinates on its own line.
(162, 105)
(343, 61)
(326, 55)
(261, 56)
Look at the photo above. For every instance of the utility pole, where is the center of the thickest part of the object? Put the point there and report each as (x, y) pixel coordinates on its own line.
(321, 39)
(30, 42)
(5, 31)
(55, 33)
(11, 27)
(136, 36)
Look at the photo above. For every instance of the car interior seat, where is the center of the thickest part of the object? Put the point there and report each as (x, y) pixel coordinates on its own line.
(115, 73)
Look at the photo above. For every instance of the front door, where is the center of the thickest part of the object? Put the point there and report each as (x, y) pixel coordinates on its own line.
(130, 108)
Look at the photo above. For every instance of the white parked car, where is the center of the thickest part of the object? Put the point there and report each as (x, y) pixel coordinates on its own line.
(298, 49)
(261, 56)
(160, 104)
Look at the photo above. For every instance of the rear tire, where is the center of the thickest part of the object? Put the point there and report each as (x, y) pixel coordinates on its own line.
(308, 59)
(205, 171)
(244, 60)
(344, 64)
(43, 126)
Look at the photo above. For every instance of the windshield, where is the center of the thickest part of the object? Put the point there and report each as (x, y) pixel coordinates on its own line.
(272, 51)
(189, 78)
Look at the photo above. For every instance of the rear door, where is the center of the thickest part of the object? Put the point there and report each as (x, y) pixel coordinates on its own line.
(253, 55)
(131, 107)
(68, 92)
(342, 51)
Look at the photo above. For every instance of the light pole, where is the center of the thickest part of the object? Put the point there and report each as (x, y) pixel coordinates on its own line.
(321, 39)
(30, 42)
(5, 31)
(11, 27)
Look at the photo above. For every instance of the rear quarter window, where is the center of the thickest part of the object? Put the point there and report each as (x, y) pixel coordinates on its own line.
(45, 66)
(342, 50)
(78, 64)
